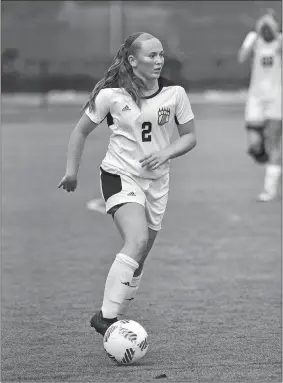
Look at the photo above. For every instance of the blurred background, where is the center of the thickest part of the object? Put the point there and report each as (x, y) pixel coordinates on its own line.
(63, 45)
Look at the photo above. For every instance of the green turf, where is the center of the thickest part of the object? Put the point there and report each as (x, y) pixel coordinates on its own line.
(210, 298)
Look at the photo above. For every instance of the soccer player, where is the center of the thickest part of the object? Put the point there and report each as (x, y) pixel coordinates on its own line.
(141, 109)
(263, 107)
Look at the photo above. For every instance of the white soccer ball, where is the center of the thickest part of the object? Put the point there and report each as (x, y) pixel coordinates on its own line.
(125, 341)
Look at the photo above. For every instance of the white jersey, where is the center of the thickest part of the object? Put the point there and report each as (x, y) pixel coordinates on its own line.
(136, 131)
(265, 79)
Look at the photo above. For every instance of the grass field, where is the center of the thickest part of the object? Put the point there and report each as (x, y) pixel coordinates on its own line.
(210, 298)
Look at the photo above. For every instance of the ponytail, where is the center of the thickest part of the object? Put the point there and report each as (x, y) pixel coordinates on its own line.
(109, 78)
(120, 73)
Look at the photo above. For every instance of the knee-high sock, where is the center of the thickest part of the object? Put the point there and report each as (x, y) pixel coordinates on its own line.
(131, 293)
(272, 175)
(117, 284)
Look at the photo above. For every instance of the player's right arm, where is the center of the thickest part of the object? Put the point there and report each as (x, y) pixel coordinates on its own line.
(87, 123)
(247, 47)
(75, 150)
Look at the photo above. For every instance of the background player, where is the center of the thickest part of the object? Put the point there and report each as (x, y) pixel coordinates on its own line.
(142, 110)
(263, 106)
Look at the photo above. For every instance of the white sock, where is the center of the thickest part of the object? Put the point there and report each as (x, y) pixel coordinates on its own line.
(131, 293)
(117, 284)
(272, 175)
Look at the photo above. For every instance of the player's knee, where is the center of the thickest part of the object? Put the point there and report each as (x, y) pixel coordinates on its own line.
(138, 242)
(258, 153)
(256, 147)
(274, 138)
(141, 242)
(139, 270)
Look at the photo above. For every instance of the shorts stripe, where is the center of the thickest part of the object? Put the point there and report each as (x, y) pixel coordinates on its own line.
(110, 183)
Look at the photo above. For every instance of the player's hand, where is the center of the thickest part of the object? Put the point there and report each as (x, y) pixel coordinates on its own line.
(69, 183)
(154, 160)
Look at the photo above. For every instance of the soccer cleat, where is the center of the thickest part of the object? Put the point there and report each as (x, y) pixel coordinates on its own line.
(266, 196)
(101, 324)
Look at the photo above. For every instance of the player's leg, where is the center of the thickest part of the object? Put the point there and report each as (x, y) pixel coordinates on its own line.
(273, 167)
(274, 131)
(125, 200)
(273, 137)
(155, 206)
(151, 239)
(255, 130)
(131, 221)
(135, 282)
(256, 142)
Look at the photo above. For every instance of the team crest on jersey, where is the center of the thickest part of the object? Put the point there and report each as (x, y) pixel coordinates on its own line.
(163, 115)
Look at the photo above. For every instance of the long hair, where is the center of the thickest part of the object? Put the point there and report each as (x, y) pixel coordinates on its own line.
(121, 73)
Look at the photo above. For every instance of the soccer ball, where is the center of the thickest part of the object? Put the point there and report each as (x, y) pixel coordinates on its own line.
(125, 341)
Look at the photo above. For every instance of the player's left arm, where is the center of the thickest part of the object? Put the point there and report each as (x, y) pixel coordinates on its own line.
(186, 142)
(185, 125)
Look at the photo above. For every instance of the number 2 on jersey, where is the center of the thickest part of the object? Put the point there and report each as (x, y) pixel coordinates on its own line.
(146, 131)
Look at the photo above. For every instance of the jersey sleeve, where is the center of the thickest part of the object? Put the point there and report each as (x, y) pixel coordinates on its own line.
(102, 107)
(183, 111)
(249, 41)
